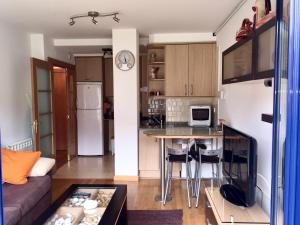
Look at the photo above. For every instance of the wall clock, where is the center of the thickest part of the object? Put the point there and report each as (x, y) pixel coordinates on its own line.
(125, 60)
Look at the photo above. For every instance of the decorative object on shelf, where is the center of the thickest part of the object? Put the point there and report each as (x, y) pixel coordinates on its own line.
(153, 72)
(263, 12)
(245, 29)
(125, 60)
(93, 15)
(153, 57)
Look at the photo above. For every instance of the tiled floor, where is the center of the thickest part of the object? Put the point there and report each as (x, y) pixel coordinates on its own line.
(99, 167)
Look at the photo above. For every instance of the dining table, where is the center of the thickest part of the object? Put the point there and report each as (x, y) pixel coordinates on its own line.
(178, 133)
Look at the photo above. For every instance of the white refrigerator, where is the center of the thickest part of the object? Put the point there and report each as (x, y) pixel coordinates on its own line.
(90, 118)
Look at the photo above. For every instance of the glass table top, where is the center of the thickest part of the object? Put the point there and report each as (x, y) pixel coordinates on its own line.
(85, 206)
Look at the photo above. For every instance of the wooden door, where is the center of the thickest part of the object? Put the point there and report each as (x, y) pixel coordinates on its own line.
(71, 116)
(42, 107)
(176, 69)
(202, 69)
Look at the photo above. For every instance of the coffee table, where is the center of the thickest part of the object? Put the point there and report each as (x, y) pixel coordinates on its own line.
(111, 205)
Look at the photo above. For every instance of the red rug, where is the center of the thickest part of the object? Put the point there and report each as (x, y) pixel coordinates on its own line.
(155, 217)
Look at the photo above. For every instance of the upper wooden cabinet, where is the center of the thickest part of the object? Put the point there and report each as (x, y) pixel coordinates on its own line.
(108, 77)
(176, 70)
(190, 70)
(202, 70)
(89, 68)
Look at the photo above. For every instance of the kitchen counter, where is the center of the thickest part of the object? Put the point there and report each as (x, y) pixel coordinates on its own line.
(183, 132)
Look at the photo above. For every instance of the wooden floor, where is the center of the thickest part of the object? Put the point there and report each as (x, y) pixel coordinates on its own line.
(141, 196)
(89, 167)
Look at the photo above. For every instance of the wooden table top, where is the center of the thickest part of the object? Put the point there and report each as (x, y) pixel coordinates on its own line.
(184, 133)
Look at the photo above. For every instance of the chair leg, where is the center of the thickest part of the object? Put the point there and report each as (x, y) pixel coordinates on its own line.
(213, 170)
(191, 177)
(171, 175)
(196, 178)
(167, 183)
(199, 185)
(218, 174)
(188, 184)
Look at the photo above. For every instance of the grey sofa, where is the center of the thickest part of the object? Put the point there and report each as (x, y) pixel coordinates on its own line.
(24, 203)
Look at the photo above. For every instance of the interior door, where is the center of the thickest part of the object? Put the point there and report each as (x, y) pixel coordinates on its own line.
(71, 117)
(42, 107)
(176, 69)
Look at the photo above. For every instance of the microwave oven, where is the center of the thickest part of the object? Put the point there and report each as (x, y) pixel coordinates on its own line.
(200, 115)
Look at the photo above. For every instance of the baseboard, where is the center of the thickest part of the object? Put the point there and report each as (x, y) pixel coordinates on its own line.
(126, 178)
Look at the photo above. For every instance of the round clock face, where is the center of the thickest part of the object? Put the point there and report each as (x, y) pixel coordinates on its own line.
(125, 60)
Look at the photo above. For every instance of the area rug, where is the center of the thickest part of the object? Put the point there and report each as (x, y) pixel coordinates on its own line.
(154, 217)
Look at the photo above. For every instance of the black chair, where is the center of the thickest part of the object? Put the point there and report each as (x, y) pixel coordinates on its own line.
(179, 156)
(201, 154)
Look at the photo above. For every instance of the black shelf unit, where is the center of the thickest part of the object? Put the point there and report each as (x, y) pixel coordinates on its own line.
(254, 74)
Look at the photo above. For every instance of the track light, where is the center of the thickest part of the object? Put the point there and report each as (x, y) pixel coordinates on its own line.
(116, 19)
(94, 14)
(94, 21)
(72, 22)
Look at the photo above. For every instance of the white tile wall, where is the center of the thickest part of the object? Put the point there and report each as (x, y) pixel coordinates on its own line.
(177, 108)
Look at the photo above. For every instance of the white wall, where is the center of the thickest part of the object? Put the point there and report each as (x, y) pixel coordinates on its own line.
(244, 103)
(15, 90)
(126, 105)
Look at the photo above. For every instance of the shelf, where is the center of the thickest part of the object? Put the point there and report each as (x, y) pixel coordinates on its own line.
(157, 96)
(158, 79)
(156, 63)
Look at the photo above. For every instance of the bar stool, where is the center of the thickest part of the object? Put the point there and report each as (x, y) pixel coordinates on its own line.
(201, 155)
(179, 156)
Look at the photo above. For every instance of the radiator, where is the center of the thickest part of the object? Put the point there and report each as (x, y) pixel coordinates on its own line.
(22, 145)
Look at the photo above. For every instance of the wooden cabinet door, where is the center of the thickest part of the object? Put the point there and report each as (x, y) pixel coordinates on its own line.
(108, 75)
(202, 69)
(176, 69)
(89, 68)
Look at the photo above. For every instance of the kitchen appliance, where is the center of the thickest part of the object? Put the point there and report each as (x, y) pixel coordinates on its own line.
(90, 118)
(200, 115)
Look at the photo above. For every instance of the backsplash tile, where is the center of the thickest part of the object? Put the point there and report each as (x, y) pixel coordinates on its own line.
(177, 109)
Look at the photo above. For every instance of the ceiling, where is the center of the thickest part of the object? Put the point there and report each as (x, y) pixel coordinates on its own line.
(51, 17)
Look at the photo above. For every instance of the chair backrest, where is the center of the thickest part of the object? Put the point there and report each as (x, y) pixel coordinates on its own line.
(210, 152)
(180, 151)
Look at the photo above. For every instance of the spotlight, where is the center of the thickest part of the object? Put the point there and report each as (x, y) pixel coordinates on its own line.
(72, 22)
(94, 21)
(116, 19)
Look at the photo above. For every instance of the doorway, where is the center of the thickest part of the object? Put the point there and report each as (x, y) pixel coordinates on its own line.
(54, 109)
(60, 115)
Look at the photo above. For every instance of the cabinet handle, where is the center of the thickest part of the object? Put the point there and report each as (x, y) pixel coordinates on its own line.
(192, 89)
(185, 92)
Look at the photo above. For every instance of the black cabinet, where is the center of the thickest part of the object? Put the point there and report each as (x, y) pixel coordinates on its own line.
(251, 58)
(237, 62)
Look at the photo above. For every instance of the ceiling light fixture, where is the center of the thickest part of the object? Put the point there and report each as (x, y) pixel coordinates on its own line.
(94, 14)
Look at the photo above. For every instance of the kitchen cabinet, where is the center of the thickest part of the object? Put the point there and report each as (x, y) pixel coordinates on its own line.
(252, 58)
(202, 70)
(149, 157)
(191, 70)
(89, 68)
(176, 70)
(265, 51)
(108, 77)
(237, 62)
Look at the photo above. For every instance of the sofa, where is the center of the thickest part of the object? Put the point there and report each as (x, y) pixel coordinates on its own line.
(24, 203)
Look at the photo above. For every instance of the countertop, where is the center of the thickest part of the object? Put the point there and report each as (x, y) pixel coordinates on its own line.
(183, 132)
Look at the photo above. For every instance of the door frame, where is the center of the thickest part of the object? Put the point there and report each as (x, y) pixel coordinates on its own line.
(62, 64)
(35, 113)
